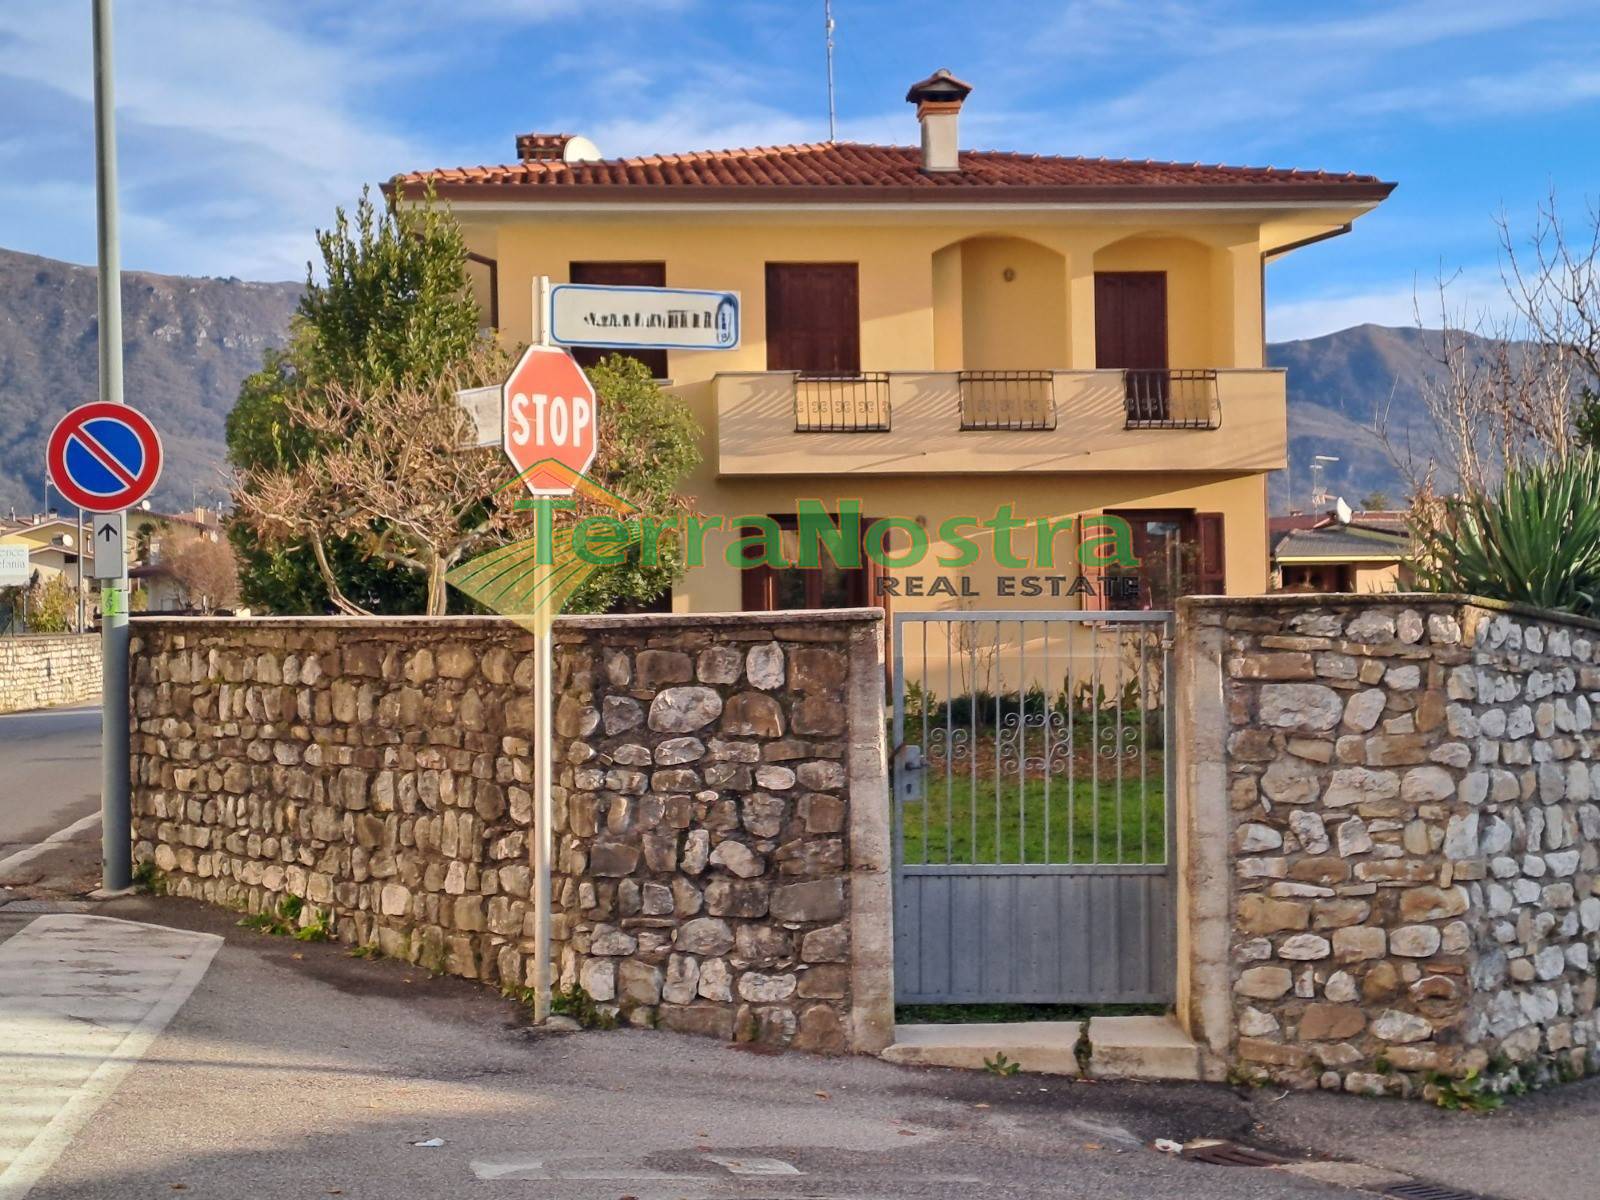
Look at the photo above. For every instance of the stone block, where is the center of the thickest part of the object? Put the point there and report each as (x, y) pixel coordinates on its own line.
(814, 900)
(1356, 943)
(1264, 983)
(1331, 1022)
(707, 1020)
(686, 709)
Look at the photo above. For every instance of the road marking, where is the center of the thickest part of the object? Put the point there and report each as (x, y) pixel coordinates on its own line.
(755, 1166)
(23, 857)
(526, 1167)
(81, 1000)
(51, 712)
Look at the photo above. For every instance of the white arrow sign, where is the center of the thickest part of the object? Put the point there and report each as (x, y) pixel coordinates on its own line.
(108, 536)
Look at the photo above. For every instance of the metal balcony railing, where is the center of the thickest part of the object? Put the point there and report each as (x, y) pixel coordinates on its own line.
(1017, 400)
(1163, 398)
(842, 403)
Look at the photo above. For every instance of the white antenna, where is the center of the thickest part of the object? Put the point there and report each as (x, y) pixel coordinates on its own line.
(827, 20)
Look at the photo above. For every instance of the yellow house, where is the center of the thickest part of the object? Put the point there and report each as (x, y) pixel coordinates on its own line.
(938, 332)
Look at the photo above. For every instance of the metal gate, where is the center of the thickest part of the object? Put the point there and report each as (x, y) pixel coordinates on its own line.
(1032, 778)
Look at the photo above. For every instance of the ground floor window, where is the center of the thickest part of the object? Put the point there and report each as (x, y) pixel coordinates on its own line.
(1180, 553)
(766, 588)
(1318, 577)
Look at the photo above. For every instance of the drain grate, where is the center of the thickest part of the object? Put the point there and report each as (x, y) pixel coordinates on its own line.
(1231, 1154)
(1427, 1191)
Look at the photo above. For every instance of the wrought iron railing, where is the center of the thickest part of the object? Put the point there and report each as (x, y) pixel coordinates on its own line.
(842, 403)
(1008, 399)
(1163, 398)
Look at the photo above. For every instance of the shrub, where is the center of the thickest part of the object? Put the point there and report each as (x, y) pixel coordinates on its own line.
(1532, 539)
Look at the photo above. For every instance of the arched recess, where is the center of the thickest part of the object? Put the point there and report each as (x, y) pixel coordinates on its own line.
(1000, 304)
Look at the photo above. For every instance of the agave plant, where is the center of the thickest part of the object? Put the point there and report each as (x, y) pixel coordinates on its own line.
(1534, 538)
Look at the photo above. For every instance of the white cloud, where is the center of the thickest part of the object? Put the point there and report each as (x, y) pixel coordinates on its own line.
(237, 133)
(1201, 74)
(1471, 297)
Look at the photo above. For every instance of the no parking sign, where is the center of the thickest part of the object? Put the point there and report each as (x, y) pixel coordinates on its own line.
(104, 457)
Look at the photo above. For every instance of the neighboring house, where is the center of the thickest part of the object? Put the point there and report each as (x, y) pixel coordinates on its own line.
(936, 332)
(52, 542)
(155, 538)
(1369, 552)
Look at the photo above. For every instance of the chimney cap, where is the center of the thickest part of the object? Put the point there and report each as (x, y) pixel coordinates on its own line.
(940, 86)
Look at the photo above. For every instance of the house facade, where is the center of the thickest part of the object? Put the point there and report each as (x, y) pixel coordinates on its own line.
(967, 342)
(1344, 552)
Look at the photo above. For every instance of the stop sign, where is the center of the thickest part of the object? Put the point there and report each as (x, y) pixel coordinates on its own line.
(550, 420)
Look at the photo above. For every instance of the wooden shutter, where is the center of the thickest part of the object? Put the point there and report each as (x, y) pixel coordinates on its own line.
(813, 318)
(1213, 573)
(1130, 319)
(621, 274)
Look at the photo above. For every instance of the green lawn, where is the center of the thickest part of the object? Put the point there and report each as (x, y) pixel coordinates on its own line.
(1082, 827)
(991, 1014)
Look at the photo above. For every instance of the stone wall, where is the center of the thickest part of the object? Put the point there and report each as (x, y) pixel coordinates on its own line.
(722, 804)
(1393, 864)
(41, 670)
(381, 772)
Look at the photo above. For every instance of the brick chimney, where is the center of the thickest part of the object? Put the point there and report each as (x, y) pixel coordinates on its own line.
(938, 99)
(555, 147)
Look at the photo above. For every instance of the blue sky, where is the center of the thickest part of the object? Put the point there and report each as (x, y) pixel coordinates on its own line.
(244, 123)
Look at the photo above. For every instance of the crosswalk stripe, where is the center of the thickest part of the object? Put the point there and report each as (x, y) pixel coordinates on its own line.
(81, 1000)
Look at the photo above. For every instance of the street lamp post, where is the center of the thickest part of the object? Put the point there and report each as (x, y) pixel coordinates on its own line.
(116, 850)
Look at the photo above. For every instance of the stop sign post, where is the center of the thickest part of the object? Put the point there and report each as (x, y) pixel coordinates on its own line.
(551, 431)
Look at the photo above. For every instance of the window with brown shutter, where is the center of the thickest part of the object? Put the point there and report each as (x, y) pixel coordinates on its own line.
(781, 589)
(621, 274)
(813, 318)
(1180, 553)
(1212, 577)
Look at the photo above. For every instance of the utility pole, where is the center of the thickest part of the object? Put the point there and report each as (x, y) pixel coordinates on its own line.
(116, 850)
(82, 550)
(827, 21)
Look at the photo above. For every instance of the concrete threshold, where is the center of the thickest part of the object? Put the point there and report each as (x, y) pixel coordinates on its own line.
(1120, 1047)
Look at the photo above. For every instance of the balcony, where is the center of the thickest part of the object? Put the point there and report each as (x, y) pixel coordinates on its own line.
(975, 422)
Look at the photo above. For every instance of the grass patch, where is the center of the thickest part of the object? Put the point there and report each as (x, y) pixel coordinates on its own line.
(991, 821)
(581, 1007)
(284, 921)
(150, 879)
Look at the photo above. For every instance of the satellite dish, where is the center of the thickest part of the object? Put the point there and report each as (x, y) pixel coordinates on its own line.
(580, 149)
(1342, 511)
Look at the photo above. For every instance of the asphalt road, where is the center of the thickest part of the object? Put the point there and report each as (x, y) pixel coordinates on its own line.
(293, 1070)
(49, 774)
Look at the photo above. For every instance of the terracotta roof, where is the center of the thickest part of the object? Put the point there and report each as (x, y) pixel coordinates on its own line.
(831, 170)
(1342, 542)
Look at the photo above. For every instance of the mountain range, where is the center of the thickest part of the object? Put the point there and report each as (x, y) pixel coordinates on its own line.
(188, 343)
(191, 341)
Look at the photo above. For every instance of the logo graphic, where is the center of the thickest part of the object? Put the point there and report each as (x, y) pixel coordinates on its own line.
(531, 579)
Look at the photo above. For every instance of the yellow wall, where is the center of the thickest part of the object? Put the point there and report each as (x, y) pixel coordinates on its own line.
(1017, 323)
